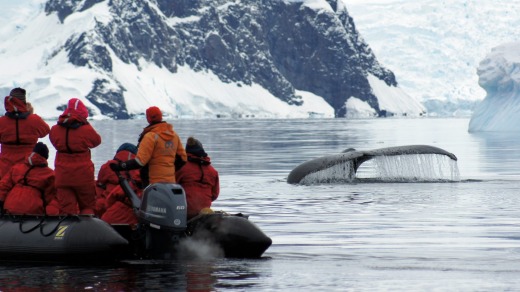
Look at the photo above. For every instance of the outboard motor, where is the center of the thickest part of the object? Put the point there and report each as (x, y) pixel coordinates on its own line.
(163, 217)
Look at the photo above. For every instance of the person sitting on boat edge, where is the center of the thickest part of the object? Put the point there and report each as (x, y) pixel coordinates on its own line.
(20, 129)
(27, 188)
(107, 180)
(160, 151)
(198, 178)
(119, 208)
(73, 137)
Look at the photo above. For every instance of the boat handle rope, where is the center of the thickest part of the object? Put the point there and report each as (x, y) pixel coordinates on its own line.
(54, 229)
(30, 229)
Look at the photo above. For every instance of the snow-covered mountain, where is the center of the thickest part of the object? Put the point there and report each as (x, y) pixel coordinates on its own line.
(205, 58)
(499, 75)
(434, 47)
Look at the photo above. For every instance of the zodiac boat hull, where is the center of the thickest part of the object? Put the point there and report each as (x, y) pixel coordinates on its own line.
(86, 240)
(58, 239)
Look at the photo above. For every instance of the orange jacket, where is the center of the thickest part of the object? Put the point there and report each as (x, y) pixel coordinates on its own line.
(158, 147)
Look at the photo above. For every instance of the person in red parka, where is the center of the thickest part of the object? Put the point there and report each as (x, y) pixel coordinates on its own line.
(29, 187)
(119, 209)
(20, 129)
(198, 178)
(73, 137)
(107, 179)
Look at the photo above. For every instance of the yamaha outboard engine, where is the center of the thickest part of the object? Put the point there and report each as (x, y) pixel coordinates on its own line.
(163, 217)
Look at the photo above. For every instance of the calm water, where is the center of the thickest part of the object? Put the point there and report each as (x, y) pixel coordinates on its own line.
(458, 236)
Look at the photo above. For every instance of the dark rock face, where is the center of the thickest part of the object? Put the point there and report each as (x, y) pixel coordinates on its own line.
(279, 45)
(107, 99)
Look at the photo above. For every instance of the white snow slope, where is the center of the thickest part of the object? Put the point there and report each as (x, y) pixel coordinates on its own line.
(432, 46)
(28, 59)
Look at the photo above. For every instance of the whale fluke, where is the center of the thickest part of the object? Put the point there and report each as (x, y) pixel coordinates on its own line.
(352, 159)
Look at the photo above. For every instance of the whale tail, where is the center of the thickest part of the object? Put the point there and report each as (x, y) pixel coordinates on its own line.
(395, 163)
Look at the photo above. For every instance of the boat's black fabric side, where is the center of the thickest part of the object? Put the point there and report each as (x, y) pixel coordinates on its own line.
(71, 239)
(235, 234)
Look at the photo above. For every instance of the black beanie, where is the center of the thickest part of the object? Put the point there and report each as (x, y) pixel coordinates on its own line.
(194, 147)
(41, 149)
(128, 147)
(18, 93)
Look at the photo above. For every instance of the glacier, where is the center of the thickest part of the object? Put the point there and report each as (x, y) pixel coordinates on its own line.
(434, 47)
(499, 76)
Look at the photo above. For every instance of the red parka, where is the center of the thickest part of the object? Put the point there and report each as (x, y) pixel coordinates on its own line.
(73, 137)
(119, 209)
(19, 131)
(28, 187)
(107, 179)
(200, 182)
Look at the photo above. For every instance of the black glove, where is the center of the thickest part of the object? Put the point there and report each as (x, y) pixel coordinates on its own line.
(179, 163)
(116, 166)
(126, 165)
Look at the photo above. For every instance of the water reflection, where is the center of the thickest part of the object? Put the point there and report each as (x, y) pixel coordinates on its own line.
(500, 152)
(135, 276)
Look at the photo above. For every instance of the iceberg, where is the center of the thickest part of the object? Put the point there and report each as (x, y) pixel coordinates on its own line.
(499, 76)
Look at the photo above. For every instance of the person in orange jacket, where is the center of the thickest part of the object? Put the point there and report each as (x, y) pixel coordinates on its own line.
(107, 180)
(159, 153)
(73, 137)
(20, 129)
(198, 178)
(27, 188)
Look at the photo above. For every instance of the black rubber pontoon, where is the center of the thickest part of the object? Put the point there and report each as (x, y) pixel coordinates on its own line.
(71, 239)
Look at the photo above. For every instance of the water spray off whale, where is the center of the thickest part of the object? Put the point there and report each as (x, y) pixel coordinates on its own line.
(409, 163)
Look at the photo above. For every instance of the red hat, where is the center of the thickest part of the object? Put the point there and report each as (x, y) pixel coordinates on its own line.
(76, 106)
(153, 115)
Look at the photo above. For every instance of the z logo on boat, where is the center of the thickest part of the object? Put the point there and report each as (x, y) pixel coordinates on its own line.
(61, 232)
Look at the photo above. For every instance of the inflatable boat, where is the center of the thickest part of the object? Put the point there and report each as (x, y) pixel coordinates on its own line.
(163, 233)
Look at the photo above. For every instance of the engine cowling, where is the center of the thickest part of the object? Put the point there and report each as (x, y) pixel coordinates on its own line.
(164, 206)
